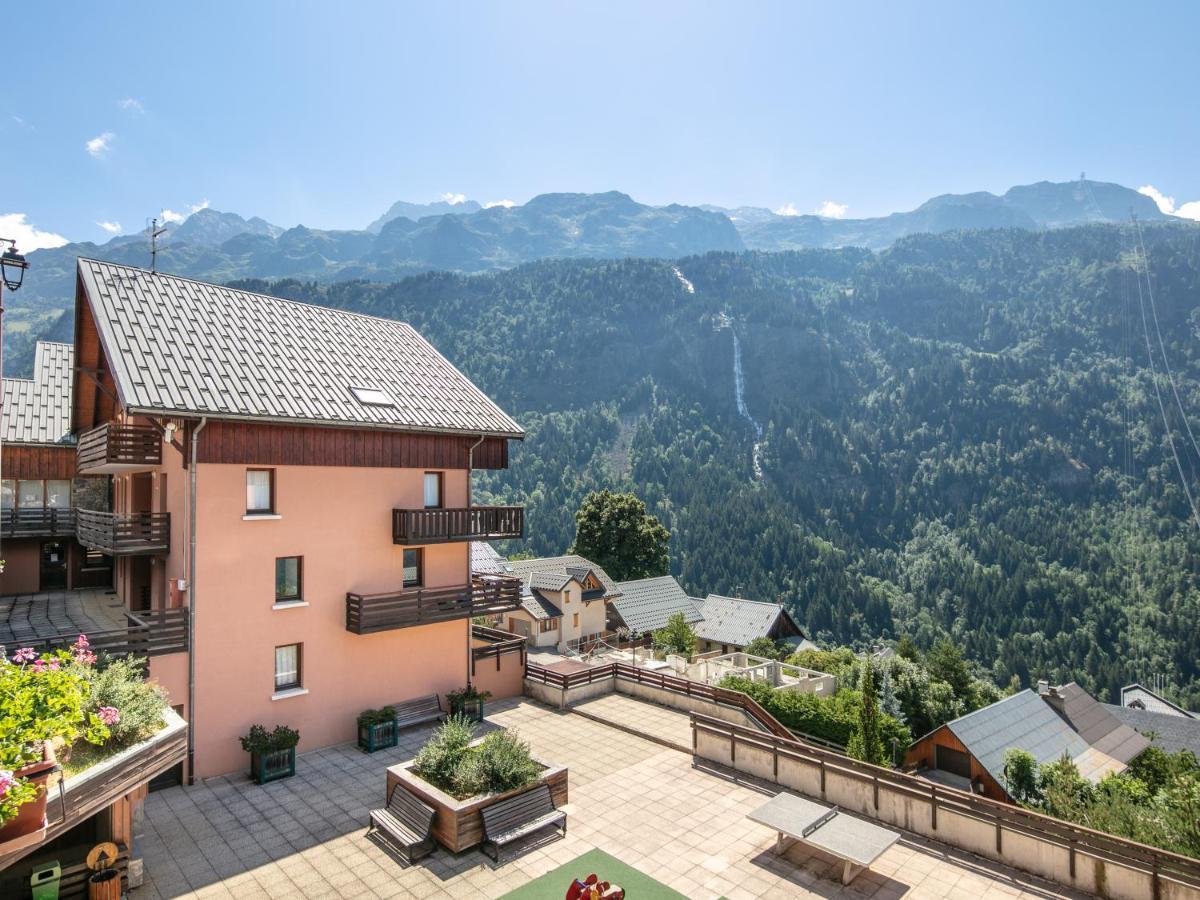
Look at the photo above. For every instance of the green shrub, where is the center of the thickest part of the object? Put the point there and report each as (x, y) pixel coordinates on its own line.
(259, 740)
(505, 763)
(438, 761)
(122, 685)
(376, 716)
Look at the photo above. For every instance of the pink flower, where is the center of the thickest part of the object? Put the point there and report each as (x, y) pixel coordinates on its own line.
(109, 715)
(6, 781)
(87, 657)
(25, 654)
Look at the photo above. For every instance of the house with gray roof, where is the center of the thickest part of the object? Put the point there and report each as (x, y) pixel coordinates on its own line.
(647, 605)
(1168, 732)
(1136, 696)
(564, 601)
(37, 486)
(731, 623)
(968, 753)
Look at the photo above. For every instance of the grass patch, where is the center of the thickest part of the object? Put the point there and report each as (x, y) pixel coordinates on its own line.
(554, 884)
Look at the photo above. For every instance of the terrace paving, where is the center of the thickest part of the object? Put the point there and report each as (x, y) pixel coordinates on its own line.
(25, 617)
(637, 800)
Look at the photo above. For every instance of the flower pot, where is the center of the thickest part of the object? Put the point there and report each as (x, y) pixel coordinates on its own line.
(105, 885)
(31, 816)
(472, 709)
(272, 765)
(377, 737)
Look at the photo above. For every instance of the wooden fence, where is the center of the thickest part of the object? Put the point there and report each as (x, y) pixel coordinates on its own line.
(149, 633)
(499, 644)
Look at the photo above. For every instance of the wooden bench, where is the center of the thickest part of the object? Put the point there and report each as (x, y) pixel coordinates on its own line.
(511, 819)
(417, 712)
(407, 822)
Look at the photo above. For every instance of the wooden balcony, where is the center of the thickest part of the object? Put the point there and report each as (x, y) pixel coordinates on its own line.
(15, 523)
(124, 534)
(114, 447)
(486, 595)
(151, 632)
(441, 526)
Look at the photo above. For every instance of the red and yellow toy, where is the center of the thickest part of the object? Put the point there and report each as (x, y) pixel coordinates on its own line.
(592, 888)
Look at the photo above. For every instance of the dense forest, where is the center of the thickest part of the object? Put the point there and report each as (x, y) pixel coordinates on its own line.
(960, 436)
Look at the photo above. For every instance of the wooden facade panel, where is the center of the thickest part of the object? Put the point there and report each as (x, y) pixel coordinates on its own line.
(250, 443)
(923, 753)
(20, 461)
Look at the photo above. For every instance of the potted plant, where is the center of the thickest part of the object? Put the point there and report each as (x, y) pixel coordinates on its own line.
(42, 701)
(468, 702)
(272, 753)
(377, 729)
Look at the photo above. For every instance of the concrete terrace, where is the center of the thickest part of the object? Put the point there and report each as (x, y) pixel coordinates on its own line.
(638, 800)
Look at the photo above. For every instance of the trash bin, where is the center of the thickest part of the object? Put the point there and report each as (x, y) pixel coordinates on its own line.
(44, 881)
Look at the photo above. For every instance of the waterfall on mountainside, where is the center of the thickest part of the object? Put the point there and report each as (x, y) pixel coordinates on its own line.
(739, 390)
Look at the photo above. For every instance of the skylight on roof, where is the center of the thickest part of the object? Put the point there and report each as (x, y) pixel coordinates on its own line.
(369, 396)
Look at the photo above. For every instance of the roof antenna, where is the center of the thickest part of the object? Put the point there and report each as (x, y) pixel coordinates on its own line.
(155, 234)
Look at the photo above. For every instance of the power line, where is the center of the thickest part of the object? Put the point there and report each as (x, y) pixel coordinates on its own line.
(1161, 407)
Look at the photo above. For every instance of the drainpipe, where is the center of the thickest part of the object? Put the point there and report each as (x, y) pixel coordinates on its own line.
(470, 624)
(191, 565)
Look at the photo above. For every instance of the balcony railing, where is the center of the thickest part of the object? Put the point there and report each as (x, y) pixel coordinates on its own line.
(486, 595)
(49, 522)
(124, 534)
(439, 526)
(152, 632)
(114, 447)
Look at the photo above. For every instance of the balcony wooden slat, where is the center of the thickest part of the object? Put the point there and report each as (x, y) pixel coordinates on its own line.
(370, 613)
(124, 534)
(439, 526)
(114, 447)
(47, 522)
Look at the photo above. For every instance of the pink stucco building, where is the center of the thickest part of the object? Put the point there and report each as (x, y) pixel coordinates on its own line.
(292, 487)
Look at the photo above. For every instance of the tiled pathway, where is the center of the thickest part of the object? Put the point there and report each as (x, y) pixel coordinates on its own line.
(641, 802)
(663, 725)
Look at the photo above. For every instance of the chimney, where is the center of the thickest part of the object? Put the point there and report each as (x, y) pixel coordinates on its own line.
(1043, 686)
(1054, 697)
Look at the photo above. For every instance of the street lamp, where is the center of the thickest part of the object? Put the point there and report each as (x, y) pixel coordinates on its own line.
(13, 264)
(12, 272)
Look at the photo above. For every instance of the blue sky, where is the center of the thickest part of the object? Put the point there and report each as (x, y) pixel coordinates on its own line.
(324, 114)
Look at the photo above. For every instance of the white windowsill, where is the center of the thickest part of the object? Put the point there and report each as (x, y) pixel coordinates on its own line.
(250, 517)
(290, 692)
(289, 604)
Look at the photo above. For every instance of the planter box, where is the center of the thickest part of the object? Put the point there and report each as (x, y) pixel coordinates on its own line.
(272, 766)
(472, 709)
(31, 816)
(458, 825)
(377, 737)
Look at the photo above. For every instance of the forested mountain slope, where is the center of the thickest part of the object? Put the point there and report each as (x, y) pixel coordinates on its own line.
(960, 434)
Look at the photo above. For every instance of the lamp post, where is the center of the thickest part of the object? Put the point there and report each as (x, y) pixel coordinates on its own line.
(12, 273)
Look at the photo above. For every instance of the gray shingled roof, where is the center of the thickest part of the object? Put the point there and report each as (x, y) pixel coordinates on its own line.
(38, 410)
(1137, 697)
(1171, 732)
(539, 607)
(1093, 722)
(183, 347)
(550, 573)
(732, 620)
(647, 604)
(485, 560)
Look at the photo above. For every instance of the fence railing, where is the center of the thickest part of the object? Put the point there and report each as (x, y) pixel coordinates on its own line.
(485, 595)
(682, 686)
(432, 526)
(1074, 839)
(149, 633)
(37, 522)
(113, 447)
(499, 644)
(124, 534)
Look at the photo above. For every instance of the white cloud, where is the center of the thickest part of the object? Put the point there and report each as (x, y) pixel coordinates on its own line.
(832, 210)
(132, 104)
(99, 145)
(196, 207)
(454, 199)
(1166, 205)
(788, 209)
(171, 217)
(13, 225)
(21, 123)
(111, 227)
(507, 204)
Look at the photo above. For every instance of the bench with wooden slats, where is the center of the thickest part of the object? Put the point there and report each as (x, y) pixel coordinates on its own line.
(407, 822)
(417, 712)
(512, 819)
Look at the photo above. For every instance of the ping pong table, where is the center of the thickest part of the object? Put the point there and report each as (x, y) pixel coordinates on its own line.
(856, 842)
